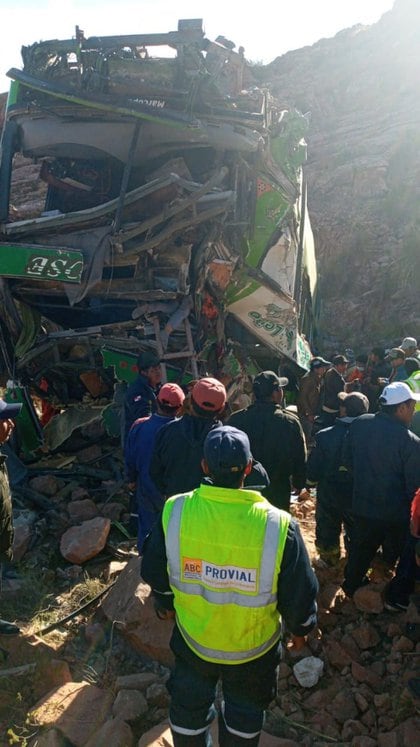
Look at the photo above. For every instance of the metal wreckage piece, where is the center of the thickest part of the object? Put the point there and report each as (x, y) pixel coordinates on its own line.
(173, 217)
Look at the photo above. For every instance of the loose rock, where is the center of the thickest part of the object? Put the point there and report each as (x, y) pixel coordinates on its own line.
(81, 543)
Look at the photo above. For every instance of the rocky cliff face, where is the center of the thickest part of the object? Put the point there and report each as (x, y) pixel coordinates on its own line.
(362, 90)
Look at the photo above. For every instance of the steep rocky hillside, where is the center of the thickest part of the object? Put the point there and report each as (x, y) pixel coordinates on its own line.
(362, 90)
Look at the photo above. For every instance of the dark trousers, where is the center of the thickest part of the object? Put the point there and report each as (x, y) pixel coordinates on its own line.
(146, 521)
(278, 495)
(402, 585)
(333, 511)
(247, 691)
(366, 538)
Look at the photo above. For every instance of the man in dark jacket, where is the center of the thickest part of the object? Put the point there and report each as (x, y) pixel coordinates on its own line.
(176, 460)
(276, 438)
(140, 397)
(7, 413)
(377, 376)
(334, 383)
(384, 456)
(334, 482)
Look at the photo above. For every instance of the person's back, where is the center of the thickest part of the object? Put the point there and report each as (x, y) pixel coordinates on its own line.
(327, 470)
(176, 460)
(277, 442)
(229, 564)
(276, 437)
(384, 456)
(325, 462)
(138, 453)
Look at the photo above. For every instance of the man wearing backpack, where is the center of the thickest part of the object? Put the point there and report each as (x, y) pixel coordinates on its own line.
(325, 468)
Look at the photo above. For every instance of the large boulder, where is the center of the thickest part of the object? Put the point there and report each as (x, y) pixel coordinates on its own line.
(130, 604)
(77, 709)
(84, 542)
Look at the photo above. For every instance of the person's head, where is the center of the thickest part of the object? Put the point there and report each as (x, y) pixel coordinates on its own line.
(396, 357)
(170, 399)
(319, 366)
(268, 387)
(398, 400)
(340, 362)
(409, 345)
(353, 404)
(208, 398)
(227, 456)
(148, 364)
(361, 360)
(411, 365)
(377, 355)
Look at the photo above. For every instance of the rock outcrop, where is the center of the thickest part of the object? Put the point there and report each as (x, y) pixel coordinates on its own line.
(363, 171)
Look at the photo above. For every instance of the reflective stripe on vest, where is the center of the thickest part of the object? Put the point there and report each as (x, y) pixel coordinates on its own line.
(226, 597)
(414, 382)
(210, 653)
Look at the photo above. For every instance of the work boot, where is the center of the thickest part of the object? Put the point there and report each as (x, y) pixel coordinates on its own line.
(8, 628)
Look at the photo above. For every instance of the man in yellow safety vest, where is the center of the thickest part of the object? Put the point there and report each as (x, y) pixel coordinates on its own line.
(235, 570)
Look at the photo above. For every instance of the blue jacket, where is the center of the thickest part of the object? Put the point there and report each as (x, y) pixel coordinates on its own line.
(385, 460)
(139, 402)
(138, 453)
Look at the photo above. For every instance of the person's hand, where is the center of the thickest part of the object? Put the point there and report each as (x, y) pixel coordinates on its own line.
(6, 427)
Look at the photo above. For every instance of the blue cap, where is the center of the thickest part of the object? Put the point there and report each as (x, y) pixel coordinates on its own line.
(9, 410)
(226, 449)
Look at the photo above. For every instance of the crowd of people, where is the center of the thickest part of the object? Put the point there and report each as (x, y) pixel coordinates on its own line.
(214, 490)
(212, 486)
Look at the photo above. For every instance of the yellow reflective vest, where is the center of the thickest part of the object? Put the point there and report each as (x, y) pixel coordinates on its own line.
(224, 550)
(414, 384)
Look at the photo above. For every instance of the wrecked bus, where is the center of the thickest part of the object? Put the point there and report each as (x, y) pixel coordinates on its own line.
(169, 215)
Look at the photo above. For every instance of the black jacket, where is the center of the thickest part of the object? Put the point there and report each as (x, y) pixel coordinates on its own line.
(385, 459)
(176, 460)
(327, 467)
(277, 441)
